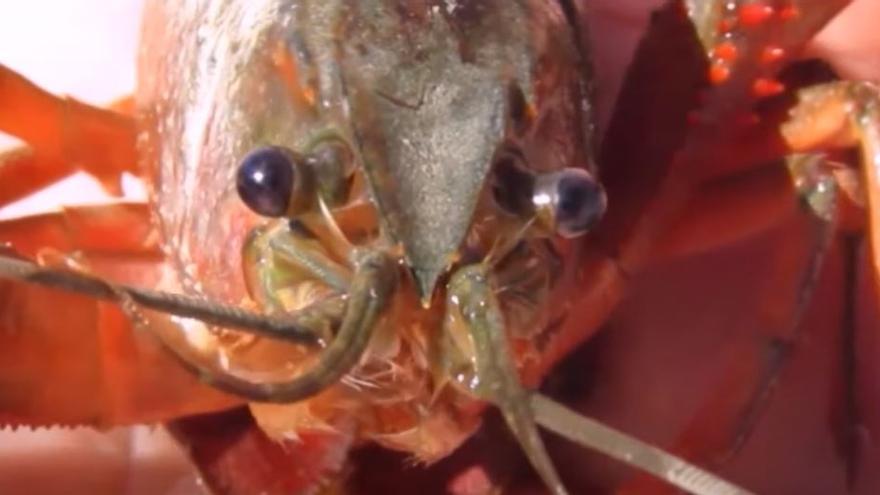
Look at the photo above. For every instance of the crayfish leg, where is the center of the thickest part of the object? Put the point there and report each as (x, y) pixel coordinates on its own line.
(844, 114)
(23, 172)
(63, 136)
(66, 359)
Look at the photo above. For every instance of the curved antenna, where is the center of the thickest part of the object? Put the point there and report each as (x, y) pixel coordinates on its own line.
(285, 328)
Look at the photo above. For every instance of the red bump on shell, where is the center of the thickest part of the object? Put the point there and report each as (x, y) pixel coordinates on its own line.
(726, 51)
(771, 54)
(763, 88)
(719, 73)
(753, 14)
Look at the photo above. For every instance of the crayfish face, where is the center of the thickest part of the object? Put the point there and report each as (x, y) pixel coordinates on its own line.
(415, 387)
(441, 136)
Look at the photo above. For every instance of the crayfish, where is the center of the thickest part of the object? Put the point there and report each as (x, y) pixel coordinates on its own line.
(372, 222)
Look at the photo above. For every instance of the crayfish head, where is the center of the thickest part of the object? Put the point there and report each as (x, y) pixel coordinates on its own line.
(440, 134)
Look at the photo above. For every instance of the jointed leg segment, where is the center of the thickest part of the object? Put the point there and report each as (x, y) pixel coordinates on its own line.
(64, 136)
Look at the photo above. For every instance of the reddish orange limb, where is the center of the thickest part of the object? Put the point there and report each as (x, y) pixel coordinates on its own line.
(121, 228)
(71, 360)
(23, 173)
(64, 135)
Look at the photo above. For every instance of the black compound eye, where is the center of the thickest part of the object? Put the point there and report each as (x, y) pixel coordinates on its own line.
(577, 200)
(265, 180)
(580, 202)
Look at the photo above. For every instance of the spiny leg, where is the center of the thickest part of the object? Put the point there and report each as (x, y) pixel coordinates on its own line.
(724, 421)
(63, 136)
(215, 452)
(23, 172)
(839, 115)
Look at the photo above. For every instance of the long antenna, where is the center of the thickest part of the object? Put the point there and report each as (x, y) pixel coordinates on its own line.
(597, 436)
(176, 304)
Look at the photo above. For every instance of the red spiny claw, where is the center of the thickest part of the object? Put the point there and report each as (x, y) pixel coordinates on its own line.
(749, 42)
